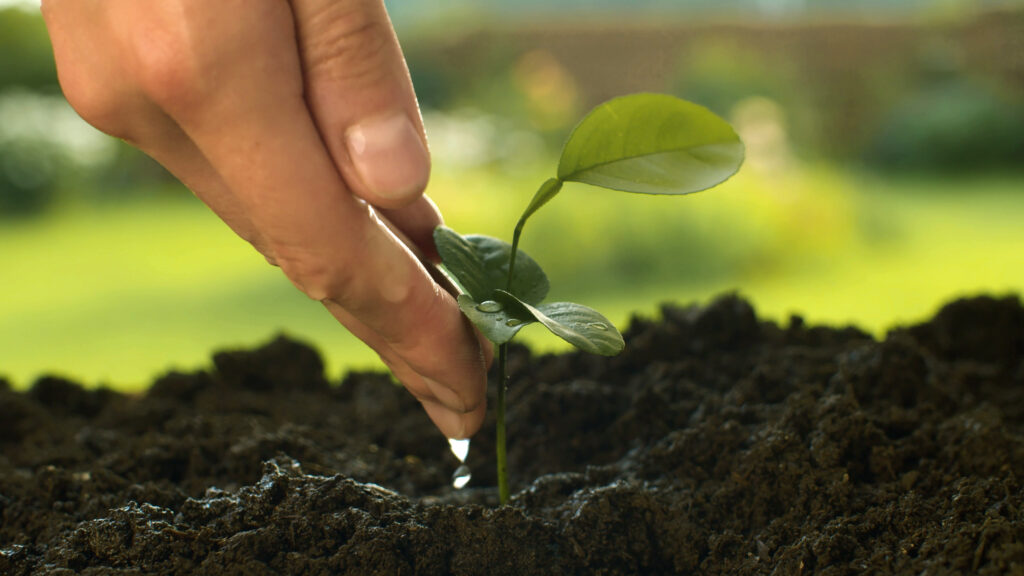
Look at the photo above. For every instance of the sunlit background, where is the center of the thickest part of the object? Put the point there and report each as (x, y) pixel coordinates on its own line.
(884, 177)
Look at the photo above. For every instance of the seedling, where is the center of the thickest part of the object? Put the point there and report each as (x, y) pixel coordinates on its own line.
(645, 143)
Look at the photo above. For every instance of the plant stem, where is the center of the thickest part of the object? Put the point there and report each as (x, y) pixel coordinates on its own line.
(512, 255)
(499, 435)
(546, 192)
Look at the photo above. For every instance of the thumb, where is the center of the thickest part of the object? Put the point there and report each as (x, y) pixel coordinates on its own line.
(359, 92)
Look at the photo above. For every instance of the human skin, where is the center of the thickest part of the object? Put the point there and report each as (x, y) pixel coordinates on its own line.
(296, 122)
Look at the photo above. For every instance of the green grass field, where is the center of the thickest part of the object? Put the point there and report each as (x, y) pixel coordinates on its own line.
(115, 295)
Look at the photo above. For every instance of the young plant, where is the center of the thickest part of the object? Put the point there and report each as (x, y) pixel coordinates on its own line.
(645, 143)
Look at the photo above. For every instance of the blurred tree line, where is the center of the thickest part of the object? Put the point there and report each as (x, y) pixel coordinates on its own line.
(935, 96)
(26, 59)
(911, 93)
(26, 64)
(45, 148)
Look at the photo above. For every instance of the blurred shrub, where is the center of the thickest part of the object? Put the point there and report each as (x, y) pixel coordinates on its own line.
(468, 138)
(952, 126)
(26, 59)
(757, 223)
(448, 77)
(128, 173)
(27, 177)
(43, 145)
(436, 83)
(529, 89)
(28, 165)
(722, 74)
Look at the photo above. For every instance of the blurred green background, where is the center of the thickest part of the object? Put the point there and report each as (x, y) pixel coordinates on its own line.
(884, 177)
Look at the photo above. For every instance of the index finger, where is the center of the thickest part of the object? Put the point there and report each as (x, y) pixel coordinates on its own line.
(239, 97)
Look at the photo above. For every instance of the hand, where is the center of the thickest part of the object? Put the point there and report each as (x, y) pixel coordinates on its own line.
(297, 124)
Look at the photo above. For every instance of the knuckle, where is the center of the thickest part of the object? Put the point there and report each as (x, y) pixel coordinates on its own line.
(165, 72)
(318, 279)
(443, 333)
(102, 108)
(418, 391)
(348, 45)
(429, 313)
(91, 88)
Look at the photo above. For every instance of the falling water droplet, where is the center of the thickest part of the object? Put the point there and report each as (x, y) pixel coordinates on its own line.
(459, 447)
(489, 306)
(513, 322)
(462, 474)
(597, 326)
(461, 477)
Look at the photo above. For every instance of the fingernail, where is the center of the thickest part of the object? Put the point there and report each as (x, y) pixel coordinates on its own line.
(390, 156)
(446, 396)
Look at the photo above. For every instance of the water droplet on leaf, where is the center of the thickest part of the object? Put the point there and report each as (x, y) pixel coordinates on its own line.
(513, 322)
(461, 477)
(598, 326)
(489, 306)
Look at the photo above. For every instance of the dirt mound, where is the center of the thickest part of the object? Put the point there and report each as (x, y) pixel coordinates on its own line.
(715, 442)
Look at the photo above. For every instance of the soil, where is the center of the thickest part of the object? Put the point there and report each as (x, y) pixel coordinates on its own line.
(715, 444)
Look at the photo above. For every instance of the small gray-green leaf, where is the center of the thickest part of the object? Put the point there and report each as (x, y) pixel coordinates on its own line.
(480, 266)
(653, 144)
(497, 321)
(584, 328)
(461, 261)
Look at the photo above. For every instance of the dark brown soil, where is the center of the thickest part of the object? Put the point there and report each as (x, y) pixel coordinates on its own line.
(715, 444)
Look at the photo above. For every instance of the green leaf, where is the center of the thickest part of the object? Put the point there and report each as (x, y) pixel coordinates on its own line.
(479, 264)
(584, 328)
(497, 321)
(653, 144)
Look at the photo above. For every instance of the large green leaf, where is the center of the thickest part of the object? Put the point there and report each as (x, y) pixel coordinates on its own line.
(479, 265)
(653, 144)
(584, 328)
